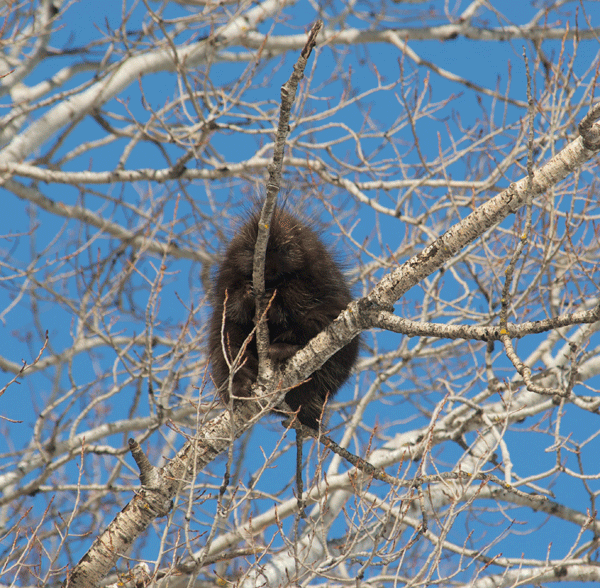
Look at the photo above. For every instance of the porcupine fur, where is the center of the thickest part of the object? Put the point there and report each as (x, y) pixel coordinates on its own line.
(311, 291)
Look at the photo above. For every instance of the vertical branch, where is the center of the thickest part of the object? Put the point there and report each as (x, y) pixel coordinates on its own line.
(288, 95)
(524, 370)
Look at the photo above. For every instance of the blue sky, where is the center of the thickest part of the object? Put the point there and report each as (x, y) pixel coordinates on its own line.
(489, 64)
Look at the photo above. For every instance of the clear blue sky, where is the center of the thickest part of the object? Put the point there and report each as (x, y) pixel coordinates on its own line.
(485, 63)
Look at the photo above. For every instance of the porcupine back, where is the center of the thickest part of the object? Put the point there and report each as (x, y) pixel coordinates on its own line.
(311, 292)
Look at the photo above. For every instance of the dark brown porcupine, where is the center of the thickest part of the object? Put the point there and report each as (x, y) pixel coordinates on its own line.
(311, 291)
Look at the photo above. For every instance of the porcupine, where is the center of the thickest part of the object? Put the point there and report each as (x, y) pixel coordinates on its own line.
(311, 291)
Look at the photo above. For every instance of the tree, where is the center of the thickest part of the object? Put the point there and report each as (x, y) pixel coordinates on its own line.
(458, 187)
